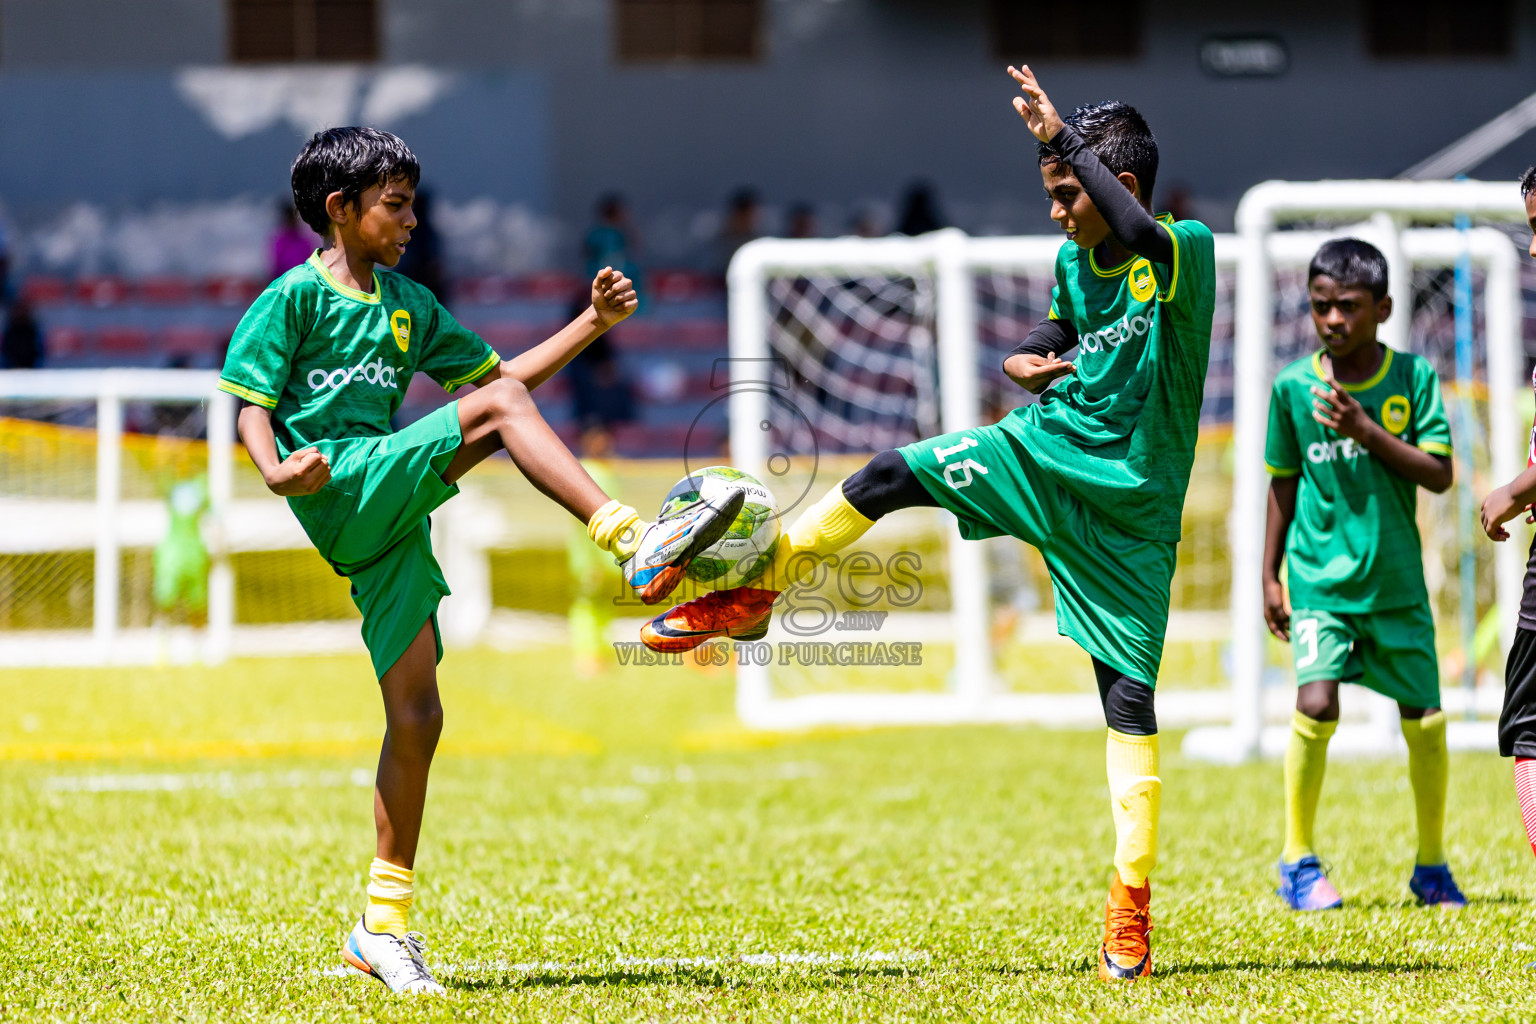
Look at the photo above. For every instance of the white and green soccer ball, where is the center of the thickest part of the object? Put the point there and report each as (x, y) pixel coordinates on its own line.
(746, 549)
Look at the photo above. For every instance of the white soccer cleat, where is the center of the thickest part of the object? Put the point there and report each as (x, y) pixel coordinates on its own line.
(668, 545)
(399, 963)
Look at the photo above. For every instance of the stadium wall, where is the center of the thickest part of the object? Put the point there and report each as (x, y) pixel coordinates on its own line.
(851, 100)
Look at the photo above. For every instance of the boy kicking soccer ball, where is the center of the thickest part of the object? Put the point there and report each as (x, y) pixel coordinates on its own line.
(1093, 476)
(1517, 723)
(322, 360)
(1354, 431)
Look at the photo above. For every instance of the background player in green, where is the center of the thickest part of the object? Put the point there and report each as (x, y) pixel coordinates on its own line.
(322, 359)
(1093, 475)
(1355, 429)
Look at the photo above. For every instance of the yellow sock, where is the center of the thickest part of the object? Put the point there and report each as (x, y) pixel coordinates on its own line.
(389, 897)
(1306, 759)
(612, 528)
(1428, 768)
(825, 527)
(1135, 793)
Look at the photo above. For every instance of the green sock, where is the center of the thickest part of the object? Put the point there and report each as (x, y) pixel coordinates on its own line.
(1306, 759)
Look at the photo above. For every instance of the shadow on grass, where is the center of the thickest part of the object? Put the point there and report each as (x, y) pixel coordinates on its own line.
(1262, 966)
(1326, 966)
(698, 977)
(1409, 903)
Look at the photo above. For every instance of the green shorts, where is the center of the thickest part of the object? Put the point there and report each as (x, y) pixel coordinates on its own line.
(1112, 589)
(1390, 651)
(370, 523)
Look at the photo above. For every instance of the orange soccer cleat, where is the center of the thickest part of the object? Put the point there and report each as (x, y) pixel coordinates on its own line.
(740, 614)
(1127, 950)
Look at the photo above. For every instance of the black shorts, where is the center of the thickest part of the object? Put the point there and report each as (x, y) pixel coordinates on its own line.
(1517, 722)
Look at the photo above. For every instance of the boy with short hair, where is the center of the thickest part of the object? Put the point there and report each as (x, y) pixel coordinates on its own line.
(1354, 430)
(1517, 722)
(1093, 476)
(322, 359)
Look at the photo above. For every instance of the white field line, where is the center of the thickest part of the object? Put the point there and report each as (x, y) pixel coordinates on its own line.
(474, 967)
(225, 782)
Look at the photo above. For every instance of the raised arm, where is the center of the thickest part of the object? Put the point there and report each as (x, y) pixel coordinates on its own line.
(1130, 222)
(1136, 229)
(303, 472)
(613, 299)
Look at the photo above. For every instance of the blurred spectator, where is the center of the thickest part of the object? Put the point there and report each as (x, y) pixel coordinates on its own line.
(919, 211)
(21, 345)
(611, 242)
(866, 224)
(1177, 202)
(423, 259)
(292, 243)
(599, 390)
(741, 226)
(5, 266)
(802, 221)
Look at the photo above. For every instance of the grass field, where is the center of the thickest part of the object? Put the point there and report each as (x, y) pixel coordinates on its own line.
(190, 845)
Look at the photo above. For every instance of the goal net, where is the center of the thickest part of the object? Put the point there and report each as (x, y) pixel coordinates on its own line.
(137, 531)
(840, 348)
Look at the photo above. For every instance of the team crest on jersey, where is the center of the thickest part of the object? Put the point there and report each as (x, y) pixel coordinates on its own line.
(1141, 280)
(400, 327)
(1394, 414)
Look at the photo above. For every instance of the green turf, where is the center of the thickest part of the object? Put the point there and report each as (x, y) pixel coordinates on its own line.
(582, 833)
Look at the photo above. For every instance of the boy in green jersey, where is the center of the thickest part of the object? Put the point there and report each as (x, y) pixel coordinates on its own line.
(1093, 475)
(322, 359)
(1355, 430)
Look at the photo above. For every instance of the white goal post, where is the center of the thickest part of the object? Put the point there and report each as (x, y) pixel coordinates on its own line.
(951, 261)
(55, 510)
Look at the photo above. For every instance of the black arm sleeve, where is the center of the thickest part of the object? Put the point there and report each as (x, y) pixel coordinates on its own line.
(1058, 336)
(1136, 229)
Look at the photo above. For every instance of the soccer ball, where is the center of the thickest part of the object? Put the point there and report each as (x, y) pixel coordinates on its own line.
(746, 549)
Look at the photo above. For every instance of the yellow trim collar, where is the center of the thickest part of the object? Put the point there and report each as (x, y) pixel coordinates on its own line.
(1365, 385)
(341, 289)
(1116, 272)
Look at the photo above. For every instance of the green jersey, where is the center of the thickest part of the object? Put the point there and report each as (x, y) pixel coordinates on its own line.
(333, 363)
(1354, 543)
(1120, 431)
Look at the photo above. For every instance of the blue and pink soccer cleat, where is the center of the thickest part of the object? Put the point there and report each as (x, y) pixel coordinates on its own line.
(1304, 886)
(1434, 886)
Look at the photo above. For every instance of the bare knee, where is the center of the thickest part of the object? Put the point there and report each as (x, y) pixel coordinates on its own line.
(1319, 700)
(414, 727)
(507, 398)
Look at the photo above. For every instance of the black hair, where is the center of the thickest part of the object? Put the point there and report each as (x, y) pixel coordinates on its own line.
(1118, 136)
(1353, 264)
(349, 161)
(1527, 182)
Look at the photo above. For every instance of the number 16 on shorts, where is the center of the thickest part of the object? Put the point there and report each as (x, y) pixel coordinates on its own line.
(958, 474)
